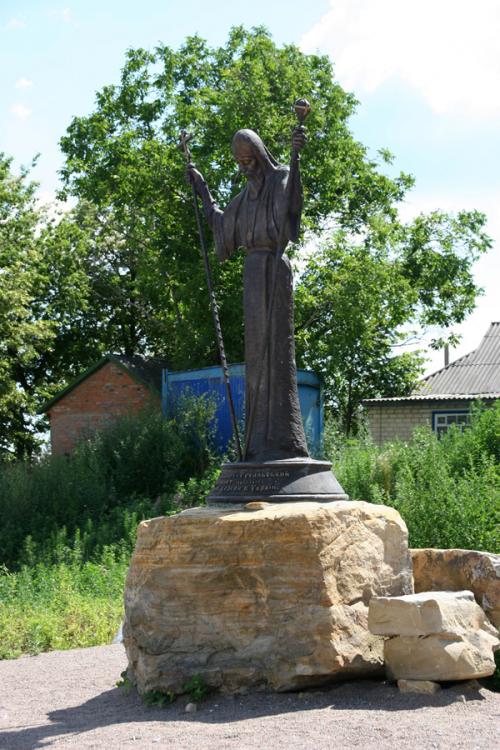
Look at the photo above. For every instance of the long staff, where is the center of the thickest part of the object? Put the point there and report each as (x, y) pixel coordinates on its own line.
(183, 144)
(302, 109)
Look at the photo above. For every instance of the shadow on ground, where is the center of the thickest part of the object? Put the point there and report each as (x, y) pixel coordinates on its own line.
(115, 707)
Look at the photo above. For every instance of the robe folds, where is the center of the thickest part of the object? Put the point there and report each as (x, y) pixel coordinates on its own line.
(261, 222)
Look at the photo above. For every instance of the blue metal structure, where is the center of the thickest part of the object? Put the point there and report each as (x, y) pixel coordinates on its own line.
(209, 381)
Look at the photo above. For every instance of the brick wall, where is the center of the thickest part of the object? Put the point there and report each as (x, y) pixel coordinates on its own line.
(93, 403)
(397, 420)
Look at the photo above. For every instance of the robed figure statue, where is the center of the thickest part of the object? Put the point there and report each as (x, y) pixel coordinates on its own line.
(262, 219)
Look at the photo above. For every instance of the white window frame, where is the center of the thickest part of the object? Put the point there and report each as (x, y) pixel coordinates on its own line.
(443, 419)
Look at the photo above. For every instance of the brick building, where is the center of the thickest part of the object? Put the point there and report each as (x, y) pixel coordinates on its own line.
(443, 398)
(114, 386)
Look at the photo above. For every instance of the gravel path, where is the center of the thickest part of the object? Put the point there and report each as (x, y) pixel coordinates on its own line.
(68, 699)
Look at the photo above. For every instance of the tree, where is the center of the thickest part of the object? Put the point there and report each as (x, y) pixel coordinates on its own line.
(123, 160)
(356, 301)
(146, 289)
(42, 288)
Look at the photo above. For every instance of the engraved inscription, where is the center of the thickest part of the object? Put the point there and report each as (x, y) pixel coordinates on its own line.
(252, 482)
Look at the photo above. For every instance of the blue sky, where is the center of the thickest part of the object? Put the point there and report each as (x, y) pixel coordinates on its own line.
(426, 73)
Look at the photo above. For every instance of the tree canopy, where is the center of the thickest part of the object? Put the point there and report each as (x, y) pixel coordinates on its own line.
(42, 295)
(123, 159)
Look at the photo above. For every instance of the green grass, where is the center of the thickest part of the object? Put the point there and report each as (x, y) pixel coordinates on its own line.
(61, 606)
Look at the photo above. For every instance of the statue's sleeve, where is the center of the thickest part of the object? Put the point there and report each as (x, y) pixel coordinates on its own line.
(287, 203)
(224, 225)
(219, 222)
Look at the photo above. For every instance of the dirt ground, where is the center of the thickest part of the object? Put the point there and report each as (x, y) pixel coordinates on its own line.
(68, 699)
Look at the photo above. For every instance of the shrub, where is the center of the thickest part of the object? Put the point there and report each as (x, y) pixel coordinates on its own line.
(447, 489)
(139, 466)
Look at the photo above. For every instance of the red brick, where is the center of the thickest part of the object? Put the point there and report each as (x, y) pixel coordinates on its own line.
(103, 396)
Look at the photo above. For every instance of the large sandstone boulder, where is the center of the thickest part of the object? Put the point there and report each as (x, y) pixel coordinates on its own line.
(439, 635)
(459, 569)
(275, 597)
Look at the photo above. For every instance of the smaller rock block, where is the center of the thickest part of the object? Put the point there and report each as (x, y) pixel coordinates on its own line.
(438, 636)
(439, 658)
(423, 687)
(427, 613)
(458, 569)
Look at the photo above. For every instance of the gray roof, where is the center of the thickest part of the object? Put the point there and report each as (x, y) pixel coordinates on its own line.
(148, 370)
(475, 375)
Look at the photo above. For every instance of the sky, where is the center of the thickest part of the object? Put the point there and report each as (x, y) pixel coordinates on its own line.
(426, 74)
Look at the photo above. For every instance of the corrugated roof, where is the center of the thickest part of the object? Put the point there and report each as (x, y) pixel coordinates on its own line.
(475, 375)
(435, 397)
(476, 372)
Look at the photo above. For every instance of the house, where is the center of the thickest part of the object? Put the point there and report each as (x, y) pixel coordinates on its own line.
(118, 385)
(443, 398)
(114, 386)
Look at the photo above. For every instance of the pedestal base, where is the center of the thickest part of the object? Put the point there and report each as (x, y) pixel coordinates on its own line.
(284, 481)
(273, 598)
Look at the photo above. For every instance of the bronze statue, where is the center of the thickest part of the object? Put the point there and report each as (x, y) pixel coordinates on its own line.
(262, 219)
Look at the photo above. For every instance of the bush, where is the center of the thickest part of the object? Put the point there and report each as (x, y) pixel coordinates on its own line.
(140, 466)
(447, 489)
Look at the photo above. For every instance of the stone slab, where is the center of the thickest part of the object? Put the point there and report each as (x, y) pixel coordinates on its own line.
(426, 613)
(441, 658)
(422, 687)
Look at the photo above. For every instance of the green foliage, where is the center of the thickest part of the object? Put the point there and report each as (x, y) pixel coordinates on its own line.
(196, 688)
(140, 466)
(122, 163)
(157, 699)
(447, 490)
(358, 297)
(124, 683)
(42, 296)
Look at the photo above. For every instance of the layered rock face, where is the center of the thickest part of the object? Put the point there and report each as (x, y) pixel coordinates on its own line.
(457, 570)
(274, 597)
(439, 635)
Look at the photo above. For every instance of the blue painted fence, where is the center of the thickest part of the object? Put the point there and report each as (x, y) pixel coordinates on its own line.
(209, 381)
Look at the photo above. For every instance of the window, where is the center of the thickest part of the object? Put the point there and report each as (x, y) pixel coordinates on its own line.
(442, 420)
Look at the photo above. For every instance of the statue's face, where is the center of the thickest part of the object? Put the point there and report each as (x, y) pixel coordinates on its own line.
(247, 163)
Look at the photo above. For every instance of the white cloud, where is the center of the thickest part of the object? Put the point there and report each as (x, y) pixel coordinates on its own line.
(64, 14)
(23, 83)
(20, 111)
(446, 49)
(14, 23)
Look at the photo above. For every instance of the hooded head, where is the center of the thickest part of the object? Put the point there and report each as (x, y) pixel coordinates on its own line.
(252, 156)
